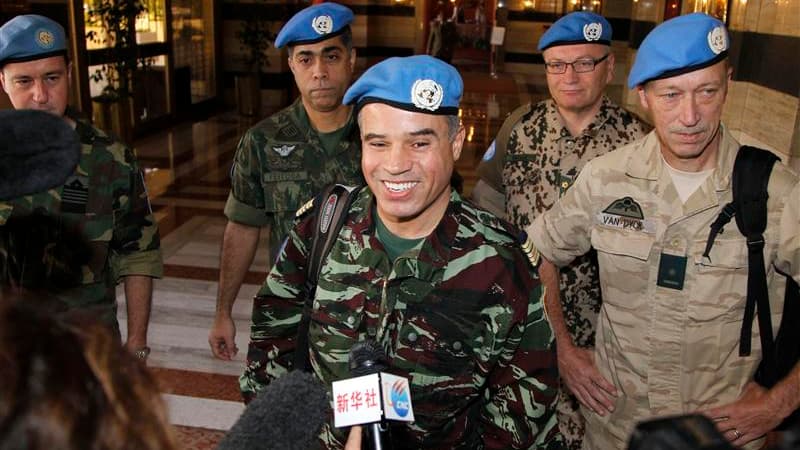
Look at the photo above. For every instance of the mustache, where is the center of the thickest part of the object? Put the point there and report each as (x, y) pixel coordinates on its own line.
(688, 130)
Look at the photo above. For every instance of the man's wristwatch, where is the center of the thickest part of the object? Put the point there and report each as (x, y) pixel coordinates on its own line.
(142, 353)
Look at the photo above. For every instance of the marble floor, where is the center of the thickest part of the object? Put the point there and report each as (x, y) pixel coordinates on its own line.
(187, 175)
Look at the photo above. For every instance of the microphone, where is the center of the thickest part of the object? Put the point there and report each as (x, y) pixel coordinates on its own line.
(287, 415)
(687, 432)
(38, 151)
(367, 358)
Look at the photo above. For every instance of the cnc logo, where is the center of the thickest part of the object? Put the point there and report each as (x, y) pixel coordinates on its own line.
(399, 398)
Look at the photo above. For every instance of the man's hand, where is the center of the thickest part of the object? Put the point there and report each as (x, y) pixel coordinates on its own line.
(221, 338)
(578, 370)
(749, 417)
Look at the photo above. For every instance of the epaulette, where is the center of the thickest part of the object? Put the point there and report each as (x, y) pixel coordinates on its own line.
(530, 250)
(308, 206)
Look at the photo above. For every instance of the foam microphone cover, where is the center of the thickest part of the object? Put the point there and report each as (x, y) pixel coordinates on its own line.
(366, 358)
(38, 151)
(287, 415)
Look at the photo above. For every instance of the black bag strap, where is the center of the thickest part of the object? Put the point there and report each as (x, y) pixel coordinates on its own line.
(330, 209)
(750, 180)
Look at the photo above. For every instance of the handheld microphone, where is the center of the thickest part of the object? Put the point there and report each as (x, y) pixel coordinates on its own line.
(367, 358)
(38, 151)
(287, 415)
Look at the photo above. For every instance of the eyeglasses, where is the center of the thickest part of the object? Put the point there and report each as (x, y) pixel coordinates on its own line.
(579, 66)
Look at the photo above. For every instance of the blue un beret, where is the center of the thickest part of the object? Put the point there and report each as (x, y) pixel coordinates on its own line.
(418, 83)
(680, 45)
(577, 28)
(315, 23)
(29, 37)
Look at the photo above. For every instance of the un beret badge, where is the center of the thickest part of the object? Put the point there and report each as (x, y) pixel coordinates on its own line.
(45, 39)
(427, 94)
(592, 31)
(322, 24)
(717, 40)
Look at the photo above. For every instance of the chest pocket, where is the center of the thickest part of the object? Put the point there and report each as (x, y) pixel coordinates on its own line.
(89, 227)
(624, 267)
(725, 270)
(439, 336)
(286, 183)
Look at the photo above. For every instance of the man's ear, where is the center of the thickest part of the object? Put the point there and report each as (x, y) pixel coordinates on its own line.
(3, 80)
(642, 97)
(458, 142)
(352, 59)
(610, 73)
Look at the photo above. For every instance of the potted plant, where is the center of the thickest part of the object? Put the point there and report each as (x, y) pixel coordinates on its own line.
(112, 24)
(254, 38)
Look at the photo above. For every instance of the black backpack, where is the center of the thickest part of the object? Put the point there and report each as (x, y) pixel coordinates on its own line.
(330, 207)
(751, 173)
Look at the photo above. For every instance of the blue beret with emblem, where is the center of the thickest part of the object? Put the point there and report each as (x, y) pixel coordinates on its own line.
(577, 28)
(29, 37)
(315, 23)
(680, 45)
(418, 83)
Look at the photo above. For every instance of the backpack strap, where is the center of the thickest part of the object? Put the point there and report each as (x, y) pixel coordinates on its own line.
(330, 209)
(751, 173)
(749, 182)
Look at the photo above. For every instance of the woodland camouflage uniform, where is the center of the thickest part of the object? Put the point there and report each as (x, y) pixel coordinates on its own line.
(280, 163)
(95, 229)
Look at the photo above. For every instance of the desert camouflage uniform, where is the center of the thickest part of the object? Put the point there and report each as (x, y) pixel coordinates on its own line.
(104, 204)
(280, 163)
(461, 317)
(668, 351)
(540, 163)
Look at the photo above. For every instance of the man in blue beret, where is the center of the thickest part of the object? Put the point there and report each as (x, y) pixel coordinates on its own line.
(669, 329)
(104, 201)
(536, 157)
(286, 158)
(441, 286)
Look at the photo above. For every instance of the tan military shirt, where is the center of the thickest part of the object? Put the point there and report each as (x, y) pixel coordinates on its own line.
(667, 350)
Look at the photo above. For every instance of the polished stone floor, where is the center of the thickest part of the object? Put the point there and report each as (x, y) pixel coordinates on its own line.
(187, 176)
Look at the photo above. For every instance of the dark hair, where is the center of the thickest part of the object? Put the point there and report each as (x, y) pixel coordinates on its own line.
(66, 383)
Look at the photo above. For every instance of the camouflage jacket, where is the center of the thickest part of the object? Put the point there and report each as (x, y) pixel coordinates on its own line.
(461, 317)
(539, 165)
(104, 228)
(668, 333)
(280, 163)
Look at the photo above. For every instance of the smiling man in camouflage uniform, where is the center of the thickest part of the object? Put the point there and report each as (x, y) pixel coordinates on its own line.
(547, 146)
(442, 286)
(104, 202)
(284, 160)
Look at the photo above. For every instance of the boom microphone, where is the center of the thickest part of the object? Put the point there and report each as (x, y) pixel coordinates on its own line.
(367, 358)
(38, 151)
(287, 415)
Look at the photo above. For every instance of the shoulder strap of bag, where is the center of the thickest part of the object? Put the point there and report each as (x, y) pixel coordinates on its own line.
(750, 180)
(330, 209)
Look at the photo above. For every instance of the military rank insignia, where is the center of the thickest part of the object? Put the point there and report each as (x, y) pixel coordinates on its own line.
(284, 150)
(305, 208)
(530, 250)
(75, 195)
